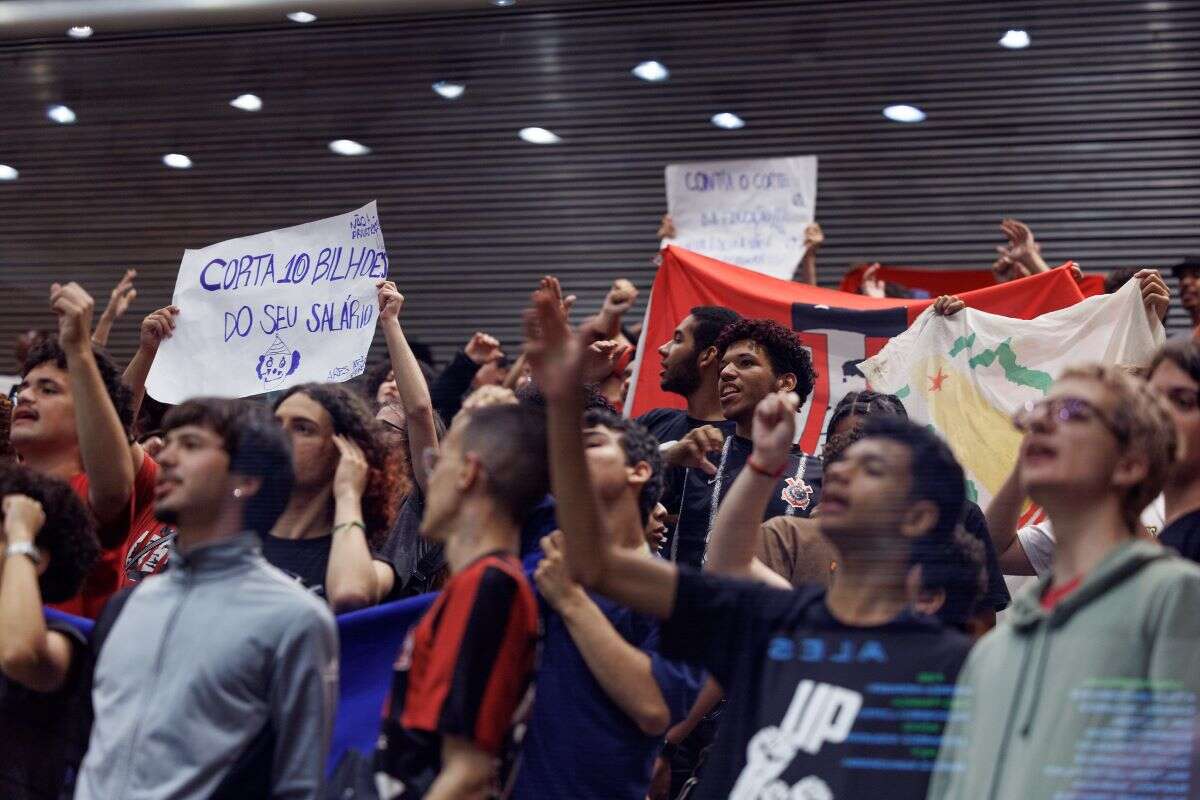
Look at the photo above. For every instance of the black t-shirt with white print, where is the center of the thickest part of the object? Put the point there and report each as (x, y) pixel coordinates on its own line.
(815, 708)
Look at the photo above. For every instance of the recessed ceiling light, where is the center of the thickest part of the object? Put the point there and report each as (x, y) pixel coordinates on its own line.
(7, 173)
(1015, 40)
(61, 114)
(539, 136)
(904, 113)
(303, 17)
(730, 122)
(651, 71)
(177, 161)
(79, 31)
(247, 102)
(348, 147)
(449, 89)
(504, 3)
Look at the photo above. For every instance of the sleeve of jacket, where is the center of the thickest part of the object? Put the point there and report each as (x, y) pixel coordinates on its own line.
(304, 688)
(447, 389)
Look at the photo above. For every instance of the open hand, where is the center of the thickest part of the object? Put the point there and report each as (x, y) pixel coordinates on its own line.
(121, 296)
(872, 285)
(551, 348)
(350, 478)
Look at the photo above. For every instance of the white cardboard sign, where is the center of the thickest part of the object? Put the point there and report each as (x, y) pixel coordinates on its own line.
(750, 212)
(265, 312)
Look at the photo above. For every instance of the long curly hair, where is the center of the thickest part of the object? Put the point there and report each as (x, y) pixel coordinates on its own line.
(352, 419)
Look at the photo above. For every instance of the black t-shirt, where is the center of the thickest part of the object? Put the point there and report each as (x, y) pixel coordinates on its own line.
(672, 424)
(306, 560)
(43, 735)
(996, 597)
(1184, 535)
(814, 708)
(691, 492)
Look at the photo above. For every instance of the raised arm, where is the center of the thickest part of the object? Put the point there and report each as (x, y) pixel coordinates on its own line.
(118, 303)
(30, 655)
(622, 670)
(643, 584)
(110, 480)
(736, 530)
(414, 392)
(617, 302)
(814, 237)
(353, 577)
(1003, 517)
(156, 327)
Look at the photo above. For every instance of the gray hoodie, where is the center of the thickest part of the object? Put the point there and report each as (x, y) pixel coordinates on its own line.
(1096, 698)
(217, 654)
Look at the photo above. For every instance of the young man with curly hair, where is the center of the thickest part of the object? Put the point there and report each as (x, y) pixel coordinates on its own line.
(47, 545)
(757, 357)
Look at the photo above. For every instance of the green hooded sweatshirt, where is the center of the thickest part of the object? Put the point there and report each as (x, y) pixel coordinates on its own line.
(1094, 699)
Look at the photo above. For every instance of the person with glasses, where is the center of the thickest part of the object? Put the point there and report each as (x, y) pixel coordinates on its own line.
(459, 688)
(1089, 686)
(1175, 376)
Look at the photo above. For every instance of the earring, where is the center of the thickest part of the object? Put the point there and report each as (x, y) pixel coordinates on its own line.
(237, 492)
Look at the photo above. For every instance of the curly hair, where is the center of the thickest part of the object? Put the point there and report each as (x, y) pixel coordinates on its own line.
(48, 350)
(352, 419)
(639, 445)
(783, 347)
(954, 564)
(68, 535)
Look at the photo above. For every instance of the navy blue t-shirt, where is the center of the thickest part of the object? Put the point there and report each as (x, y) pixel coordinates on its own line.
(579, 745)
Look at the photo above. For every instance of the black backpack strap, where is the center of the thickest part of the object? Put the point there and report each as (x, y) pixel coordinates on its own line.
(108, 617)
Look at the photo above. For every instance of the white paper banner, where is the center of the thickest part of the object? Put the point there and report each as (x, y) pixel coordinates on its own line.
(747, 212)
(265, 312)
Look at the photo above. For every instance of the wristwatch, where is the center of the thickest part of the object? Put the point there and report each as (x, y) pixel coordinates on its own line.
(24, 549)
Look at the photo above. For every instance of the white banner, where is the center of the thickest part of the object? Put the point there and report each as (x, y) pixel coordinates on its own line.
(265, 312)
(748, 212)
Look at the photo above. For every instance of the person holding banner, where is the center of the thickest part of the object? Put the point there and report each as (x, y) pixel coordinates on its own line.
(342, 501)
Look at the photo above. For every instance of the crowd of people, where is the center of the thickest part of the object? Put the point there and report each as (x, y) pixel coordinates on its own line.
(676, 606)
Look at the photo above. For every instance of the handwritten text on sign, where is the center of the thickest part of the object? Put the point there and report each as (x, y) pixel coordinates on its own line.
(747, 212)
(265, 312)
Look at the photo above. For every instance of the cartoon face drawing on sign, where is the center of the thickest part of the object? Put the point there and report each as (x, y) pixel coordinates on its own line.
(277, 363)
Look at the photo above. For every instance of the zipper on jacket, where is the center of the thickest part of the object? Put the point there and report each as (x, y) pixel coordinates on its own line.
(152, 686)
(1010, 720)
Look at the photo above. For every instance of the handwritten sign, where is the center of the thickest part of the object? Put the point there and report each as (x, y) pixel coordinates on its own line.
(746, 212)
(265, 312)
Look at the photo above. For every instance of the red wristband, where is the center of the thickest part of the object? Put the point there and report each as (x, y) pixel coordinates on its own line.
(764, 471)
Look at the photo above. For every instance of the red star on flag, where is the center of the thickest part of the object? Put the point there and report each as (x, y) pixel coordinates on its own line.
(936, 381)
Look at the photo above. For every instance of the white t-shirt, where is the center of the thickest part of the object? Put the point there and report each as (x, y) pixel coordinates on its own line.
(1038, 539)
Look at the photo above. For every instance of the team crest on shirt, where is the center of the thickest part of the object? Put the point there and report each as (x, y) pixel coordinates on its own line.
(797, 494)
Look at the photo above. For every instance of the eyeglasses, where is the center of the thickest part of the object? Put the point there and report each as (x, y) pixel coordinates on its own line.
(1064, 410)
(429, 459)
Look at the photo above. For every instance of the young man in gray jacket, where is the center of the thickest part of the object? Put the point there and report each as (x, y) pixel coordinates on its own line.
(1090, 687)
(218, 678)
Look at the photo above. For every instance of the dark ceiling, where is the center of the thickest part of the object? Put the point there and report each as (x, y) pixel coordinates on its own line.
(1092, 135)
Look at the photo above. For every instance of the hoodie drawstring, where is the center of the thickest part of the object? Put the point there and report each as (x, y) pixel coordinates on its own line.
(1039, 676)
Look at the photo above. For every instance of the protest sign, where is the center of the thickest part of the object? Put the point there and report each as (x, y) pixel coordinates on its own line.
(751, 212)
(265, 312)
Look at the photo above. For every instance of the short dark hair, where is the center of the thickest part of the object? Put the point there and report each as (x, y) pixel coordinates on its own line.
(866, 403)
(530, 394)
(954, 564)
(1118, 278)
(783, 346)
(710, 321)
(1183, 353)
(639, 445)
(510, 440)
(48, 350)
(256, 445)
(68, 536)
(935, 473)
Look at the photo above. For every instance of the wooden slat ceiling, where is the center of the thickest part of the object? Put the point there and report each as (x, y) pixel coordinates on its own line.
(1092, 136)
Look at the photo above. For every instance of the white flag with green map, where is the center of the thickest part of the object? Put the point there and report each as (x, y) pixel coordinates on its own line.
(967, 374)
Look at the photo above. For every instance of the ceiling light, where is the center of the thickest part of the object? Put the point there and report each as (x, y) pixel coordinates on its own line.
(1015, 40)
(539, 136)
(247, 102)
(449, 89)
(177, 161)
(504, 3)
(61, 114)
(730, 122)
(903, 113)
(348, 147)
(79, 31)
(7, 173)
(303, 17)
(651, 71)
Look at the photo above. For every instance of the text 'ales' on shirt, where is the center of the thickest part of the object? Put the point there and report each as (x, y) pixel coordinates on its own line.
(815, 708)
(796, 494)
(464, 670)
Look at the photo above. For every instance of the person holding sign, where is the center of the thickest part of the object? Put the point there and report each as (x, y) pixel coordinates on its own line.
(342, 499)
